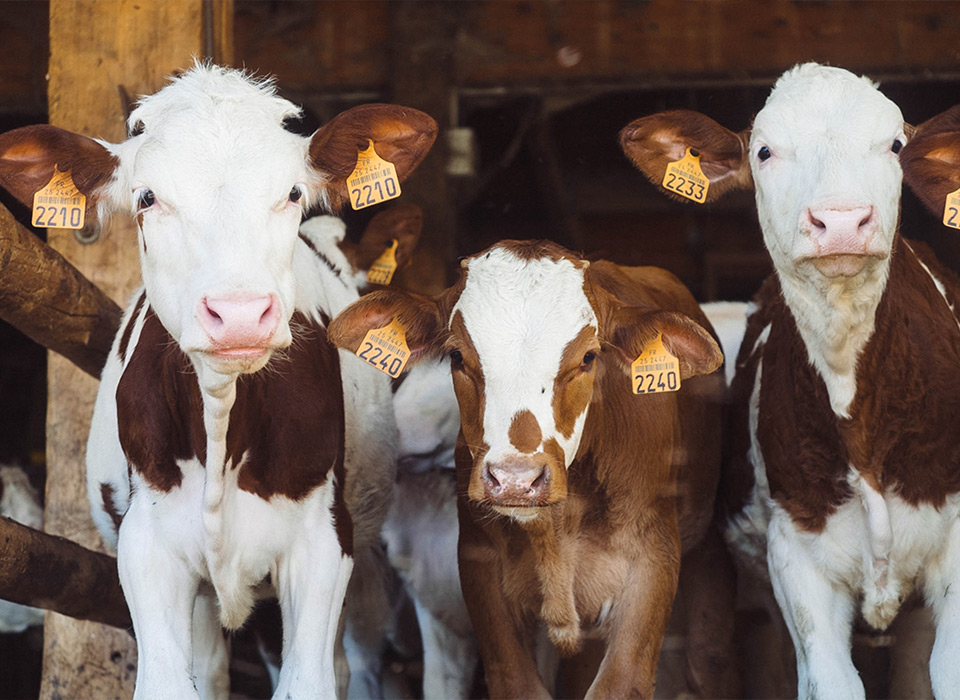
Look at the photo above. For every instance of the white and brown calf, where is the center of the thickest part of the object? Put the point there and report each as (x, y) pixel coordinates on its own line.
(577, 498)
(844, 483)
(232, 446)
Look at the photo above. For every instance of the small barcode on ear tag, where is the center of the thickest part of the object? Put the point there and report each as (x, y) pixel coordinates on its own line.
(656, 370)
(374, 180)
(382, 269)
(59, 204)
(951, 210)
(685, 178)
(386, 348)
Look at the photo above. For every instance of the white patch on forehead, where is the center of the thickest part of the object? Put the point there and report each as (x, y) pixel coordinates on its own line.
(520, 315)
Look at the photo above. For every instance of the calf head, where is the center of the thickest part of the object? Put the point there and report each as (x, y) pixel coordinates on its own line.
(822, 156)
(218, 187)
(528, 331)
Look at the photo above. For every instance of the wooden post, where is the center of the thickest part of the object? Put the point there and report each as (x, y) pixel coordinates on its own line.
(97, 46)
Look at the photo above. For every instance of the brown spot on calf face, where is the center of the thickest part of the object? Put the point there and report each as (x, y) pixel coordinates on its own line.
(524, 431)
(468, 383)
(573, 387)
(109, 505)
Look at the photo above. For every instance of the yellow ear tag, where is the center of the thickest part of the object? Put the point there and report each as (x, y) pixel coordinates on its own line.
(685, 178)
(59, 204)
(951, 210)
(385, 348)
(374, 180)
(656, 370)
(382, 269)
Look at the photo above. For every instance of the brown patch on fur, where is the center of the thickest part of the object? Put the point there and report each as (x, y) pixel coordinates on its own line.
(573, 386)
(128, 329)
(535, 250)
(525, 432)
(159, 408)
(109, 505)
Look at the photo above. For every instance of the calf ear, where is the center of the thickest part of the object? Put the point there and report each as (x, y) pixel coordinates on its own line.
(652, 142)
(419, 315)
(401, 223)
(28, 156)
(400, 135)
(931, 159)
(633, 328)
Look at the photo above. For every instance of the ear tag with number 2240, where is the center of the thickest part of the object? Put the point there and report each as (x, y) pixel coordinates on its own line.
(685, 178)
(374, 180)
(385, 348)
(656, 370)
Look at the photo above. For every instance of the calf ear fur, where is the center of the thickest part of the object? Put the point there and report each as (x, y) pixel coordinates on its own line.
(633, 328)
(419, 315)
(402, 223)
(931, 159)
(28, 156)
(400, 135)
(654, 141)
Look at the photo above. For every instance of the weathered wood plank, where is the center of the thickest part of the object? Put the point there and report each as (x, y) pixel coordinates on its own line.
(51, 302)
(53, 573)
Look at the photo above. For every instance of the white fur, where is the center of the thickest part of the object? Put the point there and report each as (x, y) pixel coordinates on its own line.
(221, 166)
(729, 320)
(504, 330)
(19, 502)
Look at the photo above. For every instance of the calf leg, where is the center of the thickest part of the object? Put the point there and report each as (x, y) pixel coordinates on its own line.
(160, 593)
(211, 649)
(449, 659)
(708, 588)
(818, 615)
(943, 594)
(311, 580)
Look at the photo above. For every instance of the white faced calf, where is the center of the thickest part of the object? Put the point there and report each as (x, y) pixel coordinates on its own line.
(845, 477)
(576, 496)
(208, 482)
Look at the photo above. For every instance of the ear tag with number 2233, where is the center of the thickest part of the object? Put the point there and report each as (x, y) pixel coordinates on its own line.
(374, 180)
(685, 178)
(951, 210)
(59, 204)
(385, 348)
(656, 370)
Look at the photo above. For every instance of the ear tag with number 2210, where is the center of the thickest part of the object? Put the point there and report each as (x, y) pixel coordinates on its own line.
(656, 370)
(951, 210)
(59, 204)
(386, 348)
(685, 178)
(374, 180)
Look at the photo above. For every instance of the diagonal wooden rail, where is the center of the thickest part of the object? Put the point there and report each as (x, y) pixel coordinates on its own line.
(51, 301)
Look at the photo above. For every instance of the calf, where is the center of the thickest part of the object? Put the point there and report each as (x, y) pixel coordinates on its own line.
(232, 449)
(844, 482)
(576, 497)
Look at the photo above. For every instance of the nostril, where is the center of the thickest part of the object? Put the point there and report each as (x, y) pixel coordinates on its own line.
(538, 483)
(212, 316)
(492, 480)
(815, 221)
(866, 220)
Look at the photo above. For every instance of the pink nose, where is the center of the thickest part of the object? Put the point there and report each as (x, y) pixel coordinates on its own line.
(235, 322)
(841, 231)
(515, 482)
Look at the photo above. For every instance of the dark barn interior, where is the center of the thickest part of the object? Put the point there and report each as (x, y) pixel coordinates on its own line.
(530, 96)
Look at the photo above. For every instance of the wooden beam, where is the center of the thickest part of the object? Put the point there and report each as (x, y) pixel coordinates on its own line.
(53, 573)
(51, 302)
(97, 46)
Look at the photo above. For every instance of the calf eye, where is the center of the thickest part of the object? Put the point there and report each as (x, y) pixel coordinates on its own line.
(587, 360)
(897, 145)
(764, 153)
(296, 193)
(456, 359)
(145, 200)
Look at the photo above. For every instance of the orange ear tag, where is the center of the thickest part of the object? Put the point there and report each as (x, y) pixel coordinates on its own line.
(386, 348)
(59, 204)
(382, 269)
(685, 178)
(951, 210)
(656, 370)
(374, 180)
